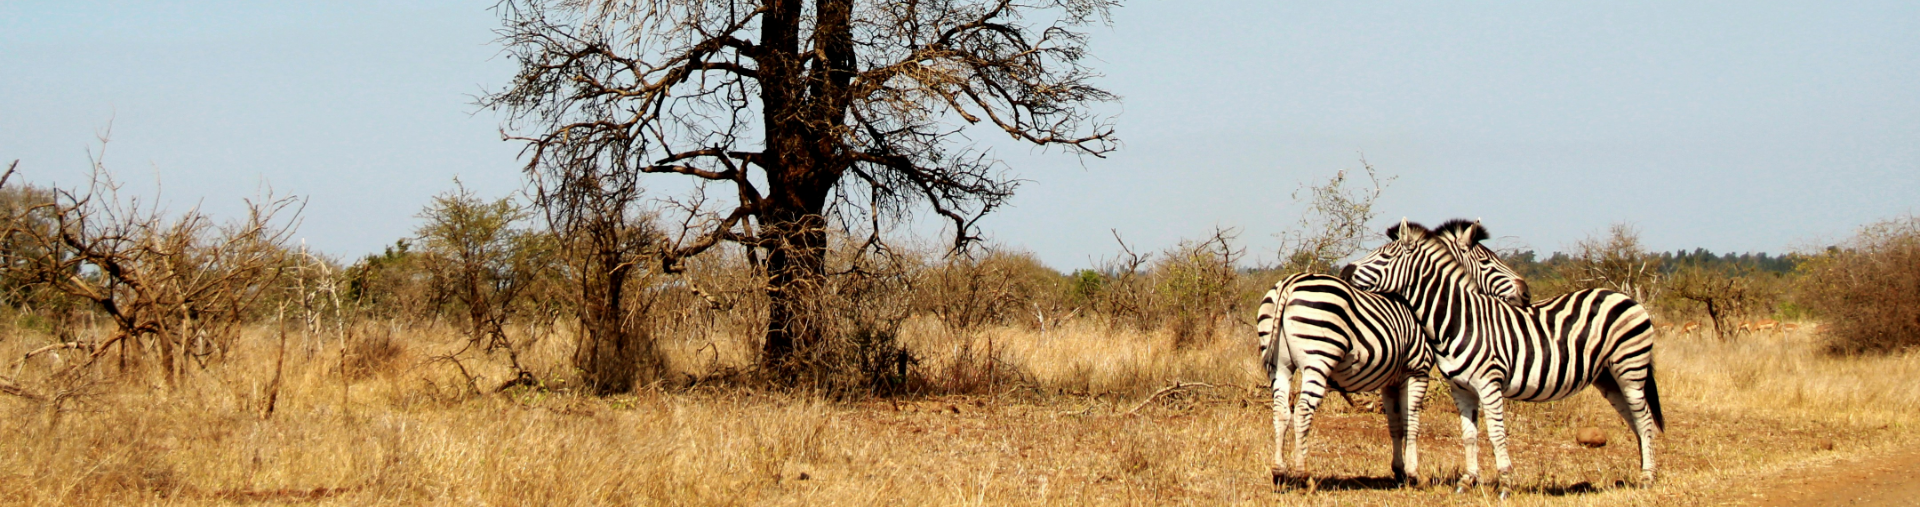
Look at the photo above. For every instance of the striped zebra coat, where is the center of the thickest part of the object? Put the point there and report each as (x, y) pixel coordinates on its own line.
(1338, 337)
(1493, 351)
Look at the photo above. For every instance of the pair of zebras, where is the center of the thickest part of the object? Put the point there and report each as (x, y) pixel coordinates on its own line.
(1439, 296)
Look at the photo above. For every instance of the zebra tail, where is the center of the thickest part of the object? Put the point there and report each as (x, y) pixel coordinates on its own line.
(1653, 400)
(1272, 309)
(1266, 324)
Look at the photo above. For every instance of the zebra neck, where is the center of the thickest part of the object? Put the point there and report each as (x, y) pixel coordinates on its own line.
(1440, 297)
(1434, 294)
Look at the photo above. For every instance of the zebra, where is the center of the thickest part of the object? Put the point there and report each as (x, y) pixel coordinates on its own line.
(1495, 277)
(1493, 352)
(1359, 341)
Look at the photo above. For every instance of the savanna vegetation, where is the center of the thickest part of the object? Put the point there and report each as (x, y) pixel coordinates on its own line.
(778, 334)
(165, 357)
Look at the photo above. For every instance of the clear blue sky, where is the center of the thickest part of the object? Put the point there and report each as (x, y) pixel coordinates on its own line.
(1734, 127)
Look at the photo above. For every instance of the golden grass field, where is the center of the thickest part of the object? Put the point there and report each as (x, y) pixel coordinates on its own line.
(406, 430)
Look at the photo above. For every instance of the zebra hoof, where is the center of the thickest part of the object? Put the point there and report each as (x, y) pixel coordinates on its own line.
(1466, 481)
(1646, 480)
(1283, 481)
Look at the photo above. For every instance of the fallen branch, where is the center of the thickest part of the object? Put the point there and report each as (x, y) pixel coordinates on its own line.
(1177, 385)
(57, 346)
(53, 347)
(462, 368)
(9, 388)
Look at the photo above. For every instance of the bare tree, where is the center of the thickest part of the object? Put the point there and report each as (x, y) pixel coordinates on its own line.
(1616, 261)
(821, 114)
(1335, 225)
(1724, 293)
(174, 285)
(29, 208)
(605, 239)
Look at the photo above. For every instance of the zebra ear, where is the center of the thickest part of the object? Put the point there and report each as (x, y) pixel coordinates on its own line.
(1467, 237)
(1473, 234)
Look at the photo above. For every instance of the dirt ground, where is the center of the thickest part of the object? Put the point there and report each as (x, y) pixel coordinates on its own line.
(1891, 479)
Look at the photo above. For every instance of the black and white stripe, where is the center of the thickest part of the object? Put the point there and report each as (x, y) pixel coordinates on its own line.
(1339, 337)
(1493, 351)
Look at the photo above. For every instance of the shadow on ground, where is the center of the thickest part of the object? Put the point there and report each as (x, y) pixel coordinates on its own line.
(1360, 483)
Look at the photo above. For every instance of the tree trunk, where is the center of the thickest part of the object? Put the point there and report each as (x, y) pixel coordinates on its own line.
(611, 356)
(802, 113)
(796, 272)
(1719, 324)
(169, 363)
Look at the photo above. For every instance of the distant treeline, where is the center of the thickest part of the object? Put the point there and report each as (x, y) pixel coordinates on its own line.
(1529, 264)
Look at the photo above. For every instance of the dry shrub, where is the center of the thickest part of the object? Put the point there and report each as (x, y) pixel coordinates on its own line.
(857, 311)
(1613, 260)
(1868, 291)
(26, 213)
(1724, 294)
(1121, 291)
(481, 259)
(1335, 224)
(392, 284)
(996, 287)
(1188, 289)
(1196, 282)
(370, 352)
(176, 287)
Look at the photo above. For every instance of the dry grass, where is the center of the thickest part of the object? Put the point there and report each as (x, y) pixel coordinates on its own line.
(1059, 431)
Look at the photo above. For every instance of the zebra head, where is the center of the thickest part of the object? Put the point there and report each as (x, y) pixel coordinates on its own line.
(1386, 269)
(1494, 277)
(1456, 246)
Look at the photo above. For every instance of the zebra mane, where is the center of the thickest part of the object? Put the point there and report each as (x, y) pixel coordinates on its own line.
(1423, 235)
(1458, 225)
(1420, 231)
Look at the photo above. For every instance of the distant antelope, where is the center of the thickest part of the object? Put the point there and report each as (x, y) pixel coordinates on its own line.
(1789, 327)
(1664, 328)
(1759, 325)
(1687, 329)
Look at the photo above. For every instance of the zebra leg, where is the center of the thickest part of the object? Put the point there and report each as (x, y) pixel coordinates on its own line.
(1282, 419)
(1411, 396)
(1632, 408)
(1469, 405)
(1493, 398)
(1392, 403)
(1313, 389)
